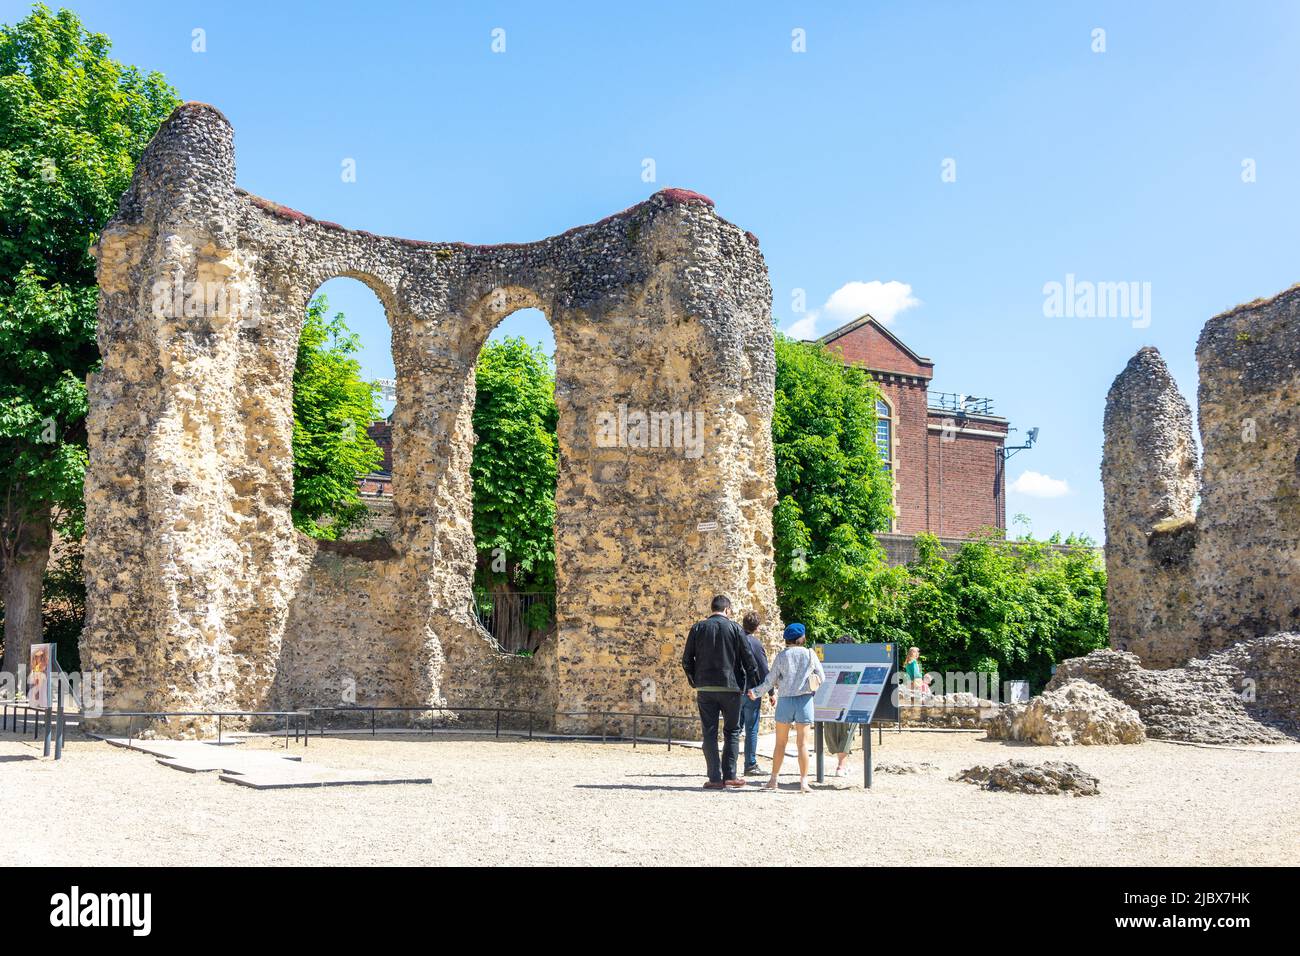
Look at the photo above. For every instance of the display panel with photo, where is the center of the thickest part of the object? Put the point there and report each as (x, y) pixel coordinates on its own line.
(40, 671)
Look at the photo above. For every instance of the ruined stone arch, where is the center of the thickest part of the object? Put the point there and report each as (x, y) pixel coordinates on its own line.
(201, 594)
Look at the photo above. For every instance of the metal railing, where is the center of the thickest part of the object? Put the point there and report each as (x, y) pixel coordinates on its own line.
(299, 725)
(55, 722)
(960, 404)
(637, 717)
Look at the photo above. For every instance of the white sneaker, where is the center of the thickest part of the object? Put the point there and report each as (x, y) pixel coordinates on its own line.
(839, 771)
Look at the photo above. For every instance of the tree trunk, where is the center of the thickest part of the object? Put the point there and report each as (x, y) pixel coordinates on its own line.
(22, 591)
(507, 618)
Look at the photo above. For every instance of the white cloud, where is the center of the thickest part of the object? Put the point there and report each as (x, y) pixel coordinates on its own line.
(1037, 485)
(884, 301)
(805, 328)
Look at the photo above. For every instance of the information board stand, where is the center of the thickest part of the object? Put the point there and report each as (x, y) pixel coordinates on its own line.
(857, 679)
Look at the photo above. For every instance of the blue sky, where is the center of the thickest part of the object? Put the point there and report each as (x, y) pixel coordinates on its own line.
(1118, 166)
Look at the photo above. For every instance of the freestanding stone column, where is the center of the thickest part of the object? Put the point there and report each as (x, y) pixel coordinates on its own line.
(174, 442)
(1150, 483)
(1187, 581)
(201, 594)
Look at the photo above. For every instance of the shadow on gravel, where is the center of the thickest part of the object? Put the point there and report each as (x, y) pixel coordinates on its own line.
(696, 788)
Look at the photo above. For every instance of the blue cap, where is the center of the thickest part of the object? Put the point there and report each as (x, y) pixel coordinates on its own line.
(793, 632)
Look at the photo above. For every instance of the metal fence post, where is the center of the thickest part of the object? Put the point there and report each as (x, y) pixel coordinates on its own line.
(634, 731)
(670, 731)
(58, 731)
(866, 760)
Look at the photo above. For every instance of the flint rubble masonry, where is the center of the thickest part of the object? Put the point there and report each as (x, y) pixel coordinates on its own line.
(201, 595)
(1185, 582)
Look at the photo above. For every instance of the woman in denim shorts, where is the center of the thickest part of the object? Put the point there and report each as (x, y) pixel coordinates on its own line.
(792, 672)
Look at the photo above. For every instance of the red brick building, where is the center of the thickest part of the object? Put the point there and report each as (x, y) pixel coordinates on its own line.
(945, 450)
(380, 481)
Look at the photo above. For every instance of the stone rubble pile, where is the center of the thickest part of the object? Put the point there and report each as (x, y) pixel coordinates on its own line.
(904, 767)
(1020, 776)
(1210, 699)
(1076, 712)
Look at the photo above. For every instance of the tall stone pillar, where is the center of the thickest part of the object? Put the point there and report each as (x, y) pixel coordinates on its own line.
(1150, 482)
(1248, 561)
(665, 392)
(167, 431)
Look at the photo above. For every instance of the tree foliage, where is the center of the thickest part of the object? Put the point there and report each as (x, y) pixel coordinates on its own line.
(1014, 608)
(73, 123)
(833, 492)
(516, 458)
(44, 356)
(332, 408)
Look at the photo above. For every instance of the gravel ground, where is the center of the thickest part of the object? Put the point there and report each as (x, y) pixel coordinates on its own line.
(518, 802)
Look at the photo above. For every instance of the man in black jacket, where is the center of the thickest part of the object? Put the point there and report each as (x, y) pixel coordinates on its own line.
(720, 665)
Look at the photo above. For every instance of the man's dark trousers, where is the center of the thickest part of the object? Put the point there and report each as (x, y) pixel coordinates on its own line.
(713, 703)
(750, 711)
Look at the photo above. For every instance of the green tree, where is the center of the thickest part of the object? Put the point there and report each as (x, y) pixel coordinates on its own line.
(833, 492)
(73, 123)
(515, 465)
(1011, 608)
(65, 601)
(332, 408)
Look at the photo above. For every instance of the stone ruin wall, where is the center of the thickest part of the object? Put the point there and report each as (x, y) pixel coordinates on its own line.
(1186, 581)
(201, 594)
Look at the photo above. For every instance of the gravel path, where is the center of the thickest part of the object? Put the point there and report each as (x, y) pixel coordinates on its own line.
(519, 802)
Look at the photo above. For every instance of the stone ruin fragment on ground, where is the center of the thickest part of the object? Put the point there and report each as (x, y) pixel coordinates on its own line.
(1020, 776)
(1076, 712)
(1244, 694)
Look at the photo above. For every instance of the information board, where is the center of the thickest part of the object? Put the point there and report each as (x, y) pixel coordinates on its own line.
(858, 679)
(40, 669)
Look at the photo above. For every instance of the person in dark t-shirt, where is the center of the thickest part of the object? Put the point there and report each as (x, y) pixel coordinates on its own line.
(751, 710)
